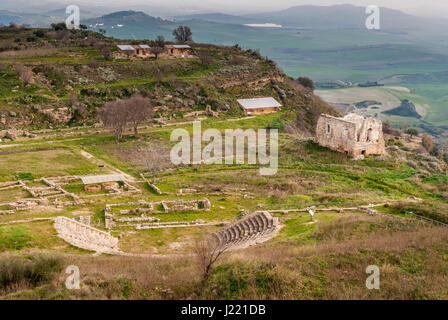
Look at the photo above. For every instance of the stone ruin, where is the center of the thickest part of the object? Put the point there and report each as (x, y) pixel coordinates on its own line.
(62, 115)
(113, 188)
(92, 188)
(49, 193)
(353, 134)
(250, 230)
(181, 205)
(84, 236)
(142, 208)
(52, 192)
(16, 134)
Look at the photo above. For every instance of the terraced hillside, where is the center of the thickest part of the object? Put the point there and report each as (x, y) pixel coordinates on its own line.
(70, 79)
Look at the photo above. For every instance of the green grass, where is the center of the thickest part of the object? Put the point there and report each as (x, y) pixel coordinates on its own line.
(14, 237)
(43, 163)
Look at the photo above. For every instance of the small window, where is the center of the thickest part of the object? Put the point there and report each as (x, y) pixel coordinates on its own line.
(369, 135)
(363, 152)
(328, 128)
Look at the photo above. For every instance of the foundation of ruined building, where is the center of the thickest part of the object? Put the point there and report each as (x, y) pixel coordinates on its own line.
(110, 186)
(186, 191)
(143, 207)
(92, 188)
(353, 134)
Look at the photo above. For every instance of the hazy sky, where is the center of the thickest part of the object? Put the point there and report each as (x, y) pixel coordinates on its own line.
(428, 7)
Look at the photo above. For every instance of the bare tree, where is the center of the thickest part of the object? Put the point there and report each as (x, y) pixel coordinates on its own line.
(183, 34)
(208, 250)
(139, 109)
(153, 156)
(160, 41)
(159, 77)
(121, 113)
(114, 115)
(107, 54)
(206, 60)
(156, 51)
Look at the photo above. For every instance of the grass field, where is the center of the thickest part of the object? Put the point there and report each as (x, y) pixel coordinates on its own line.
(44, 163)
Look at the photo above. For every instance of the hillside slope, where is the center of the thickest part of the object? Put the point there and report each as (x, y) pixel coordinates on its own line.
(72, 75)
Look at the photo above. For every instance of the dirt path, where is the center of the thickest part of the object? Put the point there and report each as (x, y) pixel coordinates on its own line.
(5, 146)
(92, 158)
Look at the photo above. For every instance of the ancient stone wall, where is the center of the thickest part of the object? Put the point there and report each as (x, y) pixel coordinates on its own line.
(85, 236)
(355, 135)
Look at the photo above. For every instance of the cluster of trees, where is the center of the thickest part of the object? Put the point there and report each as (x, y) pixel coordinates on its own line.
(131, 112)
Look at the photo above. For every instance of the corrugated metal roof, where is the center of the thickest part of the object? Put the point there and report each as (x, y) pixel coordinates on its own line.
(259, 103)
(125, 47)
(102, 178)
(181, 46)
(144, 46)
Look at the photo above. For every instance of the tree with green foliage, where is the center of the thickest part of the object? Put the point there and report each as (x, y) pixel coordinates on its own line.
(183, 34)
(306, 82)
(59, 26)
(412, 132)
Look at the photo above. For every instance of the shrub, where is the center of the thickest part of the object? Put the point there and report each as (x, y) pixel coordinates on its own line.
(412, 132)
(306, 82)
(16, 270)
(427, 142)
(24, 73)
(24, 176)
(257, 280)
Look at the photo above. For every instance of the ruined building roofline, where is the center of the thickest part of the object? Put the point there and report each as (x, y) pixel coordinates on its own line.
(336, 118)
(350, 118)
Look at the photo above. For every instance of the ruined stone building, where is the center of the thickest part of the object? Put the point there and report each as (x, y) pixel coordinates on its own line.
(353, 134)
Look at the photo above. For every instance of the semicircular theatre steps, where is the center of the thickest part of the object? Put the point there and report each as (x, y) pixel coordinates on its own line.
(250, 230)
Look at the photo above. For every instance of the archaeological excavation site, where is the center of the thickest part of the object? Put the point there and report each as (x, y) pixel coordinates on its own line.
(93, 206)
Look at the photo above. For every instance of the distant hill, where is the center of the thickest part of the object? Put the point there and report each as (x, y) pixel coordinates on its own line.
(338, 16)
(131, 18)
(139, 25)
(216, 17)
(6, 17)
(406, 109)
(325, 17)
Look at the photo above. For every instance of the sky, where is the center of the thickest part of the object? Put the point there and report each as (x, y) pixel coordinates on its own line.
(416, 7)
